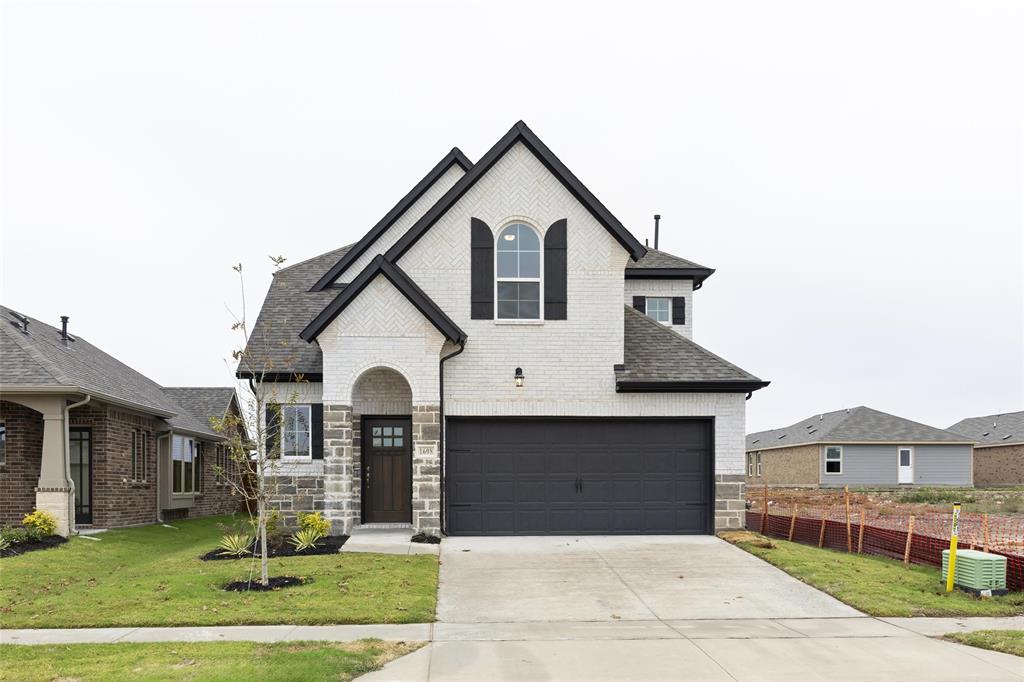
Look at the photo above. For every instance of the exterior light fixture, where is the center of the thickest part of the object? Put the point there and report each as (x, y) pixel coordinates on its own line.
(519, 377)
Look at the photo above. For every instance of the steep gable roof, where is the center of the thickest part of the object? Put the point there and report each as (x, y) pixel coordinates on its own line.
(452, 158)
(401, 281)
(40, 360)
(852, 425)
(520, 132)
(657, 358)
(993, 429)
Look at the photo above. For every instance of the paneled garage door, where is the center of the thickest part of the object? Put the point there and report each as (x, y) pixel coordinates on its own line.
(568, 476)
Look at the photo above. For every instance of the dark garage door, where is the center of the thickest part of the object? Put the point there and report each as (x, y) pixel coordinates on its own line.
(565, 477)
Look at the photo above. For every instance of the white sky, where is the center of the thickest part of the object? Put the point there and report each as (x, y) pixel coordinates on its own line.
(854, 174)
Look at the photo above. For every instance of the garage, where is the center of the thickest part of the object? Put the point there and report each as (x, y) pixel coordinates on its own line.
(579, 476)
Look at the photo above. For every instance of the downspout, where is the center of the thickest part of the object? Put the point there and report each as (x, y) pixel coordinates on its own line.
(440, 417)
(67, 460)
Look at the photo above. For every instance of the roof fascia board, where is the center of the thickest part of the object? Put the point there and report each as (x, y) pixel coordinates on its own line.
(999, 445)
(104, 397)
(454, 157)
(520, 132)
(639, 386)
(698, 274)
(381, 266)
(282, 377)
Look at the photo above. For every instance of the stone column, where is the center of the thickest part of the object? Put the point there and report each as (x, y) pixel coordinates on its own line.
(426, 469)
(340, 486)
(730, 501)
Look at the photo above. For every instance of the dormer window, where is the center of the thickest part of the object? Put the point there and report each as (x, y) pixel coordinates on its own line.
(518, 267)
(660, 309)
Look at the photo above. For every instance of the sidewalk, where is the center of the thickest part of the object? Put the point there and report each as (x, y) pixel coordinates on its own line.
(760, 628)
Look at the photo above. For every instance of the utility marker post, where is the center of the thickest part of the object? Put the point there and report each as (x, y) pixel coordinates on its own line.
(951, 571)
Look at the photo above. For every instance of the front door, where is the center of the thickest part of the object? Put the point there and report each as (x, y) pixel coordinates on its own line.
(387, 470)
(906, 465)
(80, 441)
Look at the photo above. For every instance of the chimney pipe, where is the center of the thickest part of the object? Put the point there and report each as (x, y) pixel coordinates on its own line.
(64, 328)
(657, 219)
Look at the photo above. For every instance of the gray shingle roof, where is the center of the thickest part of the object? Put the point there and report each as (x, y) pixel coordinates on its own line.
(657, 353)
(857, 424)
(660, 259)
(993, 429)
(41, 359)
(274, 343)
(203, 402)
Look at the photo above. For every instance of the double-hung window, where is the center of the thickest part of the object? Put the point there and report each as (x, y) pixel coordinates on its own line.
(750, 464)
(518, 267)
(834, 459)
(758, 465)
(660, 309)
(183, 455)
(296, 431)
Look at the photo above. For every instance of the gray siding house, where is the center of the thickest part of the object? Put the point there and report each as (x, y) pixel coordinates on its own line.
(859, 447)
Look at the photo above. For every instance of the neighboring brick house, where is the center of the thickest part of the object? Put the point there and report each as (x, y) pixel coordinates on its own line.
(858, 446)
(93, 441)
(500, 355)
(998, 449)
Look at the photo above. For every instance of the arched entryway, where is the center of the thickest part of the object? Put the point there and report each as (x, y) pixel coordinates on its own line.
(382, 442)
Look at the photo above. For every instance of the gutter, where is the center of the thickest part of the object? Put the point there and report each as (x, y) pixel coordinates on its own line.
(440, 418)
(67, 460)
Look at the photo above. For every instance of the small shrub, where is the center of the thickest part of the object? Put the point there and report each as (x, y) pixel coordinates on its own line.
(235, 544)
(4, 543)
(306, 539)
(44, 521)
(425, 538)
(19, 535)
(315, 521)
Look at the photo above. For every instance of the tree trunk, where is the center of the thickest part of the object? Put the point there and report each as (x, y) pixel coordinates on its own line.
(264, 550)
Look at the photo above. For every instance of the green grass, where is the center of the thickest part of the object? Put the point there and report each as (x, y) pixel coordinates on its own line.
(876, 585)
(153, 576)
(1006, 641)
(206, 661)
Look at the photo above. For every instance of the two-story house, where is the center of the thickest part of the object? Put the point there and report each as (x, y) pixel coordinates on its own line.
(500, 355)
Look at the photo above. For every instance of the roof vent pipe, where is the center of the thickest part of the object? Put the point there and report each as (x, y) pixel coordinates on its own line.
(657, 219)
(64, 328)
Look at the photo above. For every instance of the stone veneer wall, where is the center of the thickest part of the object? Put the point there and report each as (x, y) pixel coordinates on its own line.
(341, 489)
(426, 469)
(997, 466)
(730, 501)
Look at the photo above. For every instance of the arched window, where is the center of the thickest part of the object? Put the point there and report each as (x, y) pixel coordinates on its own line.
(518, 267)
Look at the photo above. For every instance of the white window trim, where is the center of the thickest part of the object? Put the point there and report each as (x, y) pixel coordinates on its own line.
(309, 422)
(750, 464)
(758, 465)
(179, 493)
(647, 308)
(3, 452)
(827, 460)
(540, 280)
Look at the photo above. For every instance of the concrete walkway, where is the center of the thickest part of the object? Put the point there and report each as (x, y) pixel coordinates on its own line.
(387, 541)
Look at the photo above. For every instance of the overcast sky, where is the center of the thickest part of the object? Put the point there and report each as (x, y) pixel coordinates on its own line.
(854, 175)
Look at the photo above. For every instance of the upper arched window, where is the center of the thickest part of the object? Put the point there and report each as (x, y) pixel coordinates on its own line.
(518, 267)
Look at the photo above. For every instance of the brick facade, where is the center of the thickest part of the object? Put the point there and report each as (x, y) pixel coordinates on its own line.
(117, 498)
(19, 475)
(999, 466)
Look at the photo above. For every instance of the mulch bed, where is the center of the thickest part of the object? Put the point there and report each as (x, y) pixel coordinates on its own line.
(276, 583)
(425, 539)
(328, 545)
(49, 542)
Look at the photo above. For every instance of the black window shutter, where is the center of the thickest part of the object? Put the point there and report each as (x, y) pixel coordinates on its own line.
(555, 271)
(640, 303)
(678, 310)
(317, 412)
(272, 423)
(482, 271)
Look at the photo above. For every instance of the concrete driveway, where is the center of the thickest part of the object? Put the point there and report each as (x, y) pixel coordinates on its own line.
(612, 578)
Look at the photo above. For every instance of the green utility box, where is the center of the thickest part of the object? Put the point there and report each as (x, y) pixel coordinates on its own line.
(977, 571)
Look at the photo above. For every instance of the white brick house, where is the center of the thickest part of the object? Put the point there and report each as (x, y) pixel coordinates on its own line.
(499, 355)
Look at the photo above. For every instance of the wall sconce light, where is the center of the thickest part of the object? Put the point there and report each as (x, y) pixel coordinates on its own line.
(519, 377)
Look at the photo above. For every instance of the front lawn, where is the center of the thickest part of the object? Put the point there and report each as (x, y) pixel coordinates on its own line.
(205, 661)
(875, 585)
(152, 576)
(1006, 641)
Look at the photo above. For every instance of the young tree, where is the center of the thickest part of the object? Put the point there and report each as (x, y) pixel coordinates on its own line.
(253, 435)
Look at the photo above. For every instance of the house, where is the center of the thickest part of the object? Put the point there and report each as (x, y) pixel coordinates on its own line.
(858, 446)
(500, 355)
(998, 448)
(94, 442)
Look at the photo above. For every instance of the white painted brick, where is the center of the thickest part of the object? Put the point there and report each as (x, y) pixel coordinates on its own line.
(664, 288)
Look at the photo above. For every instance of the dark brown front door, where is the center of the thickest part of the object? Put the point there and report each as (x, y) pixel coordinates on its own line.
(387, 470)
